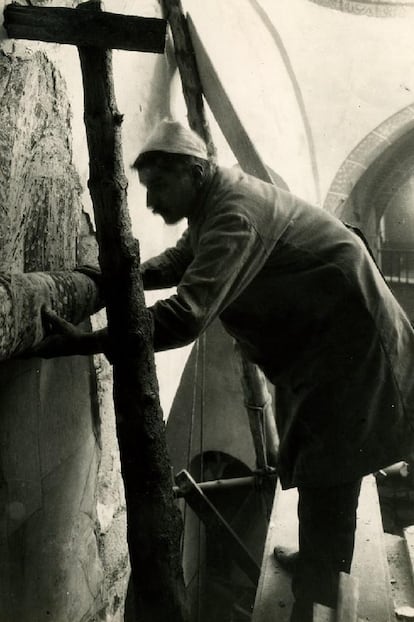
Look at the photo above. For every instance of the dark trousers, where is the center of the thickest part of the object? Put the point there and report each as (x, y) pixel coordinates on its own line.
(327, 521)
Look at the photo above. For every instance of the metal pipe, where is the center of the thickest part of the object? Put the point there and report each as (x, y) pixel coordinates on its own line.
(250, 481)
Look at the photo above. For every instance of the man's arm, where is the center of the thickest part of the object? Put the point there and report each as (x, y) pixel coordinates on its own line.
(167, 269)
(229, 254)
(65, 339)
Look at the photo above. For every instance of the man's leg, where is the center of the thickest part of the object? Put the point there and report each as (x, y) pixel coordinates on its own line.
(327, 521)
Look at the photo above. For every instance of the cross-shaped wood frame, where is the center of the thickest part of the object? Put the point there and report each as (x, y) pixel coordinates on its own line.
(153, 519)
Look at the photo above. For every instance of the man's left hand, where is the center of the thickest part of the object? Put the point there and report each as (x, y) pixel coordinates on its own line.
(62, 338)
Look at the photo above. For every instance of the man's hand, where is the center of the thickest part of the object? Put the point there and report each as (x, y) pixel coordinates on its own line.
(65, 339)
(62, 338)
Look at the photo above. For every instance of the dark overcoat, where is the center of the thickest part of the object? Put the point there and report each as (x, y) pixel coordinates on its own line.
(301, 294)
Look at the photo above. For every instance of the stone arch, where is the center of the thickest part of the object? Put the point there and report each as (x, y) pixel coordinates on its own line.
(365, 182)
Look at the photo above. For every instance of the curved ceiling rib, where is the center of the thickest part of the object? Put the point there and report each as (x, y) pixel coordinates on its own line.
(297, 90)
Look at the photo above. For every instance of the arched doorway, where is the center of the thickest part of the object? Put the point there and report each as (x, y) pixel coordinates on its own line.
(374, 189)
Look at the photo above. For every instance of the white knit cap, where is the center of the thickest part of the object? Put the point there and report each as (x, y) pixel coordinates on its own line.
(172, 137)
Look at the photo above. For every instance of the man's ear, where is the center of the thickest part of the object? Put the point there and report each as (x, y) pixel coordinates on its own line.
(198, 174)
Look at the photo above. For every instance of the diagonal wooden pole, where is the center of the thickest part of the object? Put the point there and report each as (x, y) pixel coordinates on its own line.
(153, 519)
(199, 81)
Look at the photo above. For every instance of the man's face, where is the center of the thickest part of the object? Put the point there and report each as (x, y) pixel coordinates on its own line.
(170, 193)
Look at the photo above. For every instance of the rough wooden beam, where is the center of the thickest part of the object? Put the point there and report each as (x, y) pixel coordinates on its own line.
(85, 28)
(370, 563)
(258, 402)
(153, 520)
(71, 295)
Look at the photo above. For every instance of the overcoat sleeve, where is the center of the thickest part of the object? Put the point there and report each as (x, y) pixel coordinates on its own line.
(228, 254)
(166, 270)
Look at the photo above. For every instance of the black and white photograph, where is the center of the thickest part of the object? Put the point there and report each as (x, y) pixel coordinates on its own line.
(207, 303)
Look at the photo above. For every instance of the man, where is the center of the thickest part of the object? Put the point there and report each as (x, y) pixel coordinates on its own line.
(302, 296)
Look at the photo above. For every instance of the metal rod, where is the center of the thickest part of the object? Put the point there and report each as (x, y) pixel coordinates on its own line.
(214, 521)
(250, 481)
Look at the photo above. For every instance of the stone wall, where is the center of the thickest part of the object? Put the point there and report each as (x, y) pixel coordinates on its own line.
(40, 187)
(63, 551)
(49, 424)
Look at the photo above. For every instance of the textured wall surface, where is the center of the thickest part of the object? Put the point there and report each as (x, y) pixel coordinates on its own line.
(51, 564)
(39, 190)
(63, 551)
